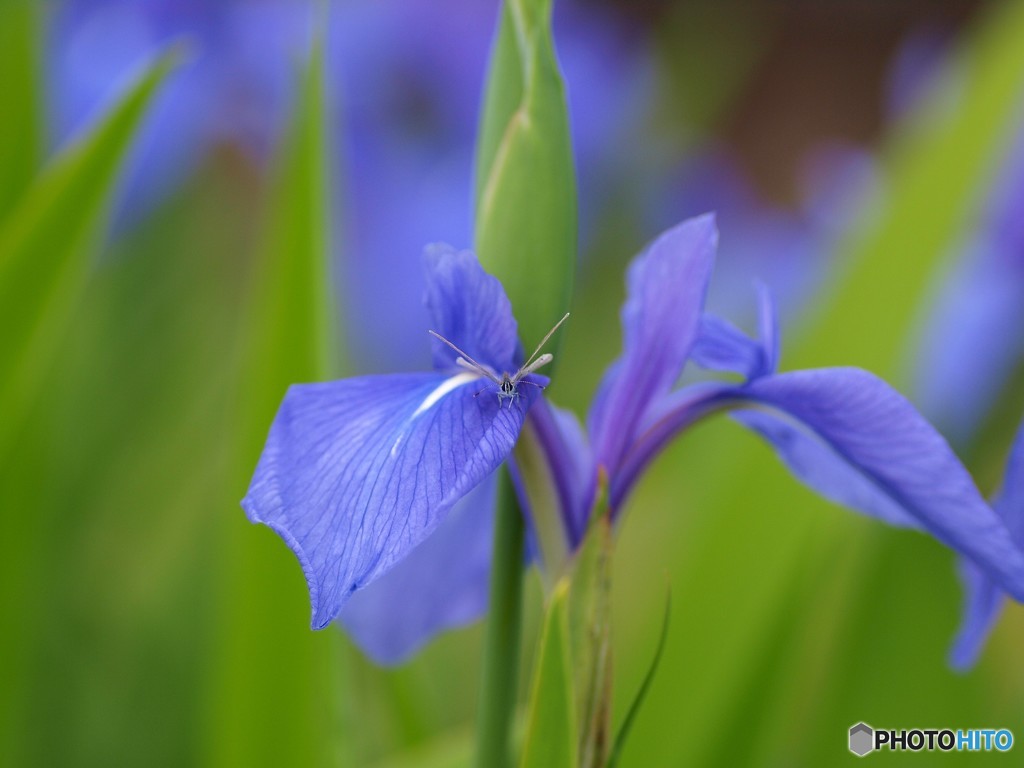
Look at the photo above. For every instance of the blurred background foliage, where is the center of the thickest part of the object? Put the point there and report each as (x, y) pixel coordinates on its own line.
(289, 155)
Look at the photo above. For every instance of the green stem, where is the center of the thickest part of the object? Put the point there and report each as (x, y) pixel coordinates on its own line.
(501, 643)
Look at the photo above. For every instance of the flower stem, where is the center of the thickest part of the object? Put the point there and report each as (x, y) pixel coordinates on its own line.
(501, 643)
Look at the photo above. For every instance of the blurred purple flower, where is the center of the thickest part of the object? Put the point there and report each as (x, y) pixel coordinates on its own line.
(787, 249)
(985, 597)
(971, 344)
(234, 86)
(916, 66)
(357, 474)
(964, 352)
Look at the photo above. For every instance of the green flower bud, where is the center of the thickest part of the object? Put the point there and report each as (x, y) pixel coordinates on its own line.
(526, 186)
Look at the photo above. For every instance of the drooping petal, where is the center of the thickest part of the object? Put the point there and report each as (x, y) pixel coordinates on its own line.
(1010, 502)
(983, 600)
(442, 584)
(470, 309)
(356, 473)
(660, 321)
(818, 464)
(883, 438)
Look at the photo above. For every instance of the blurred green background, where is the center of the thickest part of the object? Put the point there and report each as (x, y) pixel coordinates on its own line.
(146, 622)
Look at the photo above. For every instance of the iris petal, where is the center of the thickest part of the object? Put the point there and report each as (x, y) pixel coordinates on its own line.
(819, 465)
(890, 445)
(722, 346)
(470, 309)
(1010, 503)
(441, 584)
(984, 600)
(356, 473)
(660, 322)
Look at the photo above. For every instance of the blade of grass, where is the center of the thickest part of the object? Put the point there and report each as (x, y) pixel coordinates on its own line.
(273, 697)
(46, 241)
(641, 694)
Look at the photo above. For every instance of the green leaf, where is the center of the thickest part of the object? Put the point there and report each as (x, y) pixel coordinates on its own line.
(46, 240)
(551, 734)
(21, 131)
(526, 187)
(277, 701)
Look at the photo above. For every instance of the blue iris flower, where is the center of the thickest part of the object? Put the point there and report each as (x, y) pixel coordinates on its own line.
(842, 431)
(357, 473)
(381, 486)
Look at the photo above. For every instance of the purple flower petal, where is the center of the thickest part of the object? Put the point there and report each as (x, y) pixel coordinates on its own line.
(1010, 503)
(819, 465)
(857, 441)
(665, 420)
(441, 584)
(984, 600)
(660, 322)
(768, 329)
(722, 346)
(873, 428)
(470, 309)
(356, 473)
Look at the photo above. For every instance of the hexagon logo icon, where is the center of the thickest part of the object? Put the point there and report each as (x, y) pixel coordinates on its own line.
(862, 739)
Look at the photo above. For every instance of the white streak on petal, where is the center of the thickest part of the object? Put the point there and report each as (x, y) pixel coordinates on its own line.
(443, 389)
(430, 400)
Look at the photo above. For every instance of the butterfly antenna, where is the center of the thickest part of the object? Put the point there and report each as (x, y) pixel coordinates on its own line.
(545, 340)
(466, 357)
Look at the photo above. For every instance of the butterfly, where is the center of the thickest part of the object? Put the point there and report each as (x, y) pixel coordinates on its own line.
(508, 384)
